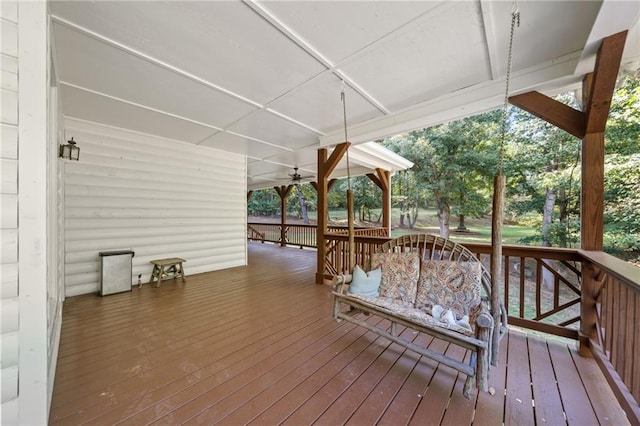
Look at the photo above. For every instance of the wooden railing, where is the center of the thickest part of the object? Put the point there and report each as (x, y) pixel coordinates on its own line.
(301, 235)
(543, 291)
(540, 286)
(255, 235)
(611, 308)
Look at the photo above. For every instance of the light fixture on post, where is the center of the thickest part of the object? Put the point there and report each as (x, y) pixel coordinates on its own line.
(70, 151)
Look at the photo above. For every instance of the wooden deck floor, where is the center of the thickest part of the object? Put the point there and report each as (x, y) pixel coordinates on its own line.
(258, 345)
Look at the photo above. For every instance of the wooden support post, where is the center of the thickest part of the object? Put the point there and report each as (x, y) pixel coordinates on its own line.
(325, 167)
(351, 230)
(597, 89)
(589, 125)
(591, 223)
(496, 261)
(283, 192)
(321, 188)
(382, 179)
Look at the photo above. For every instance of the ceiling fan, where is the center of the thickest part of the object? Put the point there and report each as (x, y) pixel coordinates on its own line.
(297, 178)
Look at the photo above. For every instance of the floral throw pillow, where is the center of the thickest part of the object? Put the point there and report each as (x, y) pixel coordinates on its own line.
(452, 285)
(400, 273)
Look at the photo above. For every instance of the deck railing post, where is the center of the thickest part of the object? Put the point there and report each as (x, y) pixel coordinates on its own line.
(588, 315)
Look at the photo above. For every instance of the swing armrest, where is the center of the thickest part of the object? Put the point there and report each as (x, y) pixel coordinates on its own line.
(339, 282)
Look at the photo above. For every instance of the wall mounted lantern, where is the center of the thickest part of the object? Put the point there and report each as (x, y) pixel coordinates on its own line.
(69, 151)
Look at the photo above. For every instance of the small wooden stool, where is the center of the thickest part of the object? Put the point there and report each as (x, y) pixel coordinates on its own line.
(167, 268)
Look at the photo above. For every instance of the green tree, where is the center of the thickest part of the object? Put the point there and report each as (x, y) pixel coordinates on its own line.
(454, 162)
(544, 166)
(623, 125)
(622, 204)
(264, 202)
(301, 200)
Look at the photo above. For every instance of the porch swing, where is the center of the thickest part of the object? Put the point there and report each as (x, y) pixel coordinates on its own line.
(431, 284)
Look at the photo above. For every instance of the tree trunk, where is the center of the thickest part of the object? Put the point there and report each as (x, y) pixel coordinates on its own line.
(444, 214)
(461, 226)
(547, 216)
(413, 218)
(303, 205)
(563, 209)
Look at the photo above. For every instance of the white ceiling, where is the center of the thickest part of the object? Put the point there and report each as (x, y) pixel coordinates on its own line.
(263, 78)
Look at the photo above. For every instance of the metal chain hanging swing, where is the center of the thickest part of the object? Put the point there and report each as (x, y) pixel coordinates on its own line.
(498, 195)
(350, 226)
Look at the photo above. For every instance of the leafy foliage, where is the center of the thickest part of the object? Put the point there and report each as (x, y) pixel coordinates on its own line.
(453, 162)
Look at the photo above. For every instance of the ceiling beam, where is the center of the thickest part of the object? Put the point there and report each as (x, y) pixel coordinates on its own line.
(335, 157)
(151, 59)
(313, 52)
(602, 85)
(551, 111)
(490, 35)
(452, 106)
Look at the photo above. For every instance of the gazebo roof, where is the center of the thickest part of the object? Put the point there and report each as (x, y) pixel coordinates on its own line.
(263, 79)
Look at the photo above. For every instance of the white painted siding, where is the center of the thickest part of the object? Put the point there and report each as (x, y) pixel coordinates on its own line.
(9, 304)
(33, 233)
(157, 197)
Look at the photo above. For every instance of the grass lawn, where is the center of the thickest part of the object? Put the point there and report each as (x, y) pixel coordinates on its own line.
(479, 229)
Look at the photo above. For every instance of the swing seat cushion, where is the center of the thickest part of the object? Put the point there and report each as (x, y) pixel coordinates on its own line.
(400, 272)
(451, 285)
(365, 283)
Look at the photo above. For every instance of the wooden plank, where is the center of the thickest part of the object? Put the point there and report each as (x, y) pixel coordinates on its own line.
(546, 396)
(380, 398)
(165, 399)
(189, 401)
(433, 403)
(184, 329)
(348, 390)
(170, 368)
(518, 401)
(401, 410)
(603, 401)
(284, 389)
(490, 408)
(575, 399)
(460, 410)
(190, 350)
(629, 343)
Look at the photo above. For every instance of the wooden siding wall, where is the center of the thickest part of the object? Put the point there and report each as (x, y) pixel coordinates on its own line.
(9, 214)
(157, 197)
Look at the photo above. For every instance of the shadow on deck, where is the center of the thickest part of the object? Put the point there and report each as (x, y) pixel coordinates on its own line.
(258, 345)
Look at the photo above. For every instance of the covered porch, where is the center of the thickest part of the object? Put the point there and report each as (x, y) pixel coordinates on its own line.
(257, 344)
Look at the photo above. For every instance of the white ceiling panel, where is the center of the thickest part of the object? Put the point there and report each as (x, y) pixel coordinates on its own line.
(559, 28)
(223, 42)
(239, 145)
(87, 106)
(338, 29)
(269, 73)
(271, 128)
(310, 104)
(401, 70)
(305, 159)
(134, 79)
